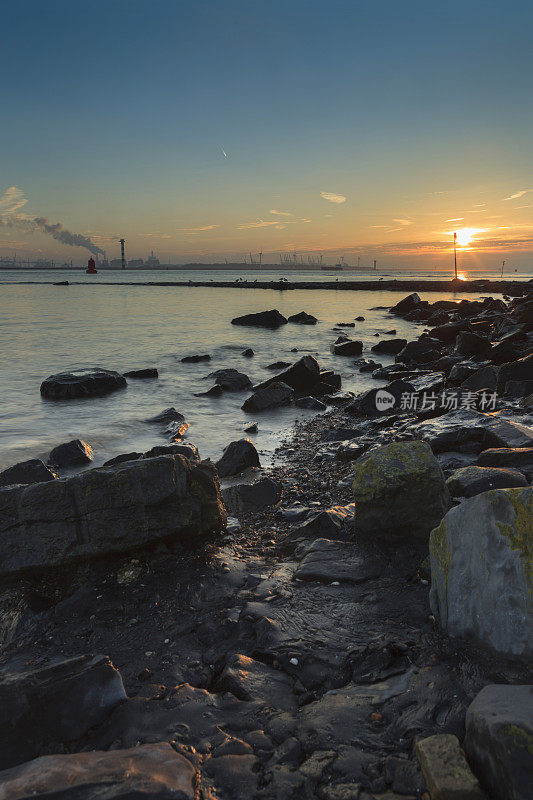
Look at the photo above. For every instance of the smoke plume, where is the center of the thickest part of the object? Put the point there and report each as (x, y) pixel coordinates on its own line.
(57, 231)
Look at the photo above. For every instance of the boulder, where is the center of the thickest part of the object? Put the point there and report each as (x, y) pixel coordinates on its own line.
(328, 523)
(252, 496)
(449, 331)
(472, 480)
(382, 400)
(214, 391)
(508, 457)
(251, 680)
(399, 488)
(32, 471)
(462, 431)
(231, 380)
(519, 388)
(498, 741)
(263, 319)
(303, 319)
(277, 365)
(120, 459)
(248, 353)
(58, 702)
(367, 365)
(82, 383)
(482, 572)
(273, 395)
(237, 457)
(188, 450)
(71, 454)
(329, 561)
(141, 374)
(503, 352)
(520, 370)
(152, 771)
(311, 403)
(349, 348)
(421, 351)
(303, 375)
(408, 303)
(472, 345)
(195, 359)
(167, 416)
(389, 346)
(484, 378)
(107, 510)
(445, 769)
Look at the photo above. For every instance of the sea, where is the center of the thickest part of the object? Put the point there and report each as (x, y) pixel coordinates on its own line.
(47, 328)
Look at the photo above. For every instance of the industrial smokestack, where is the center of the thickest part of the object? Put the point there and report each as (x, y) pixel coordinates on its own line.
(55, 230)
(122, 253)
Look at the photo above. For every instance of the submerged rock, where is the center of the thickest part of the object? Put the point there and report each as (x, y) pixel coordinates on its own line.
(237, 457)
(349, 348)
(303, 318)
(82, 383)
(149, 372)
(107, 510)
(499, 740)
(480, 552)
(399, 488)
(167, 416)
(71, 454)
(275, 394)
(389, 346)
(231, 380)
(32, 471)
(263, 319)
(195, 359)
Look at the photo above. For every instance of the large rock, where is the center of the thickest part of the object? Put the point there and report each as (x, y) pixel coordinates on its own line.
(462, 431)
(301, 376)
(82, 383)
(329, 561)
(237, 457)
(263, 319)
(32, 471)
(148, 772)
(56, 703)
(421, 351)
(469, 481)
(107, 510)
(499, 740)
(389, 346)
(252, 496)
(482, 570)
(472, 345)
(408, 303)
(71, 454)
(399, 488)
(511, 457)
(349, 348)
(271, 396)
(231, 380)
(303, 318)
(251, 680)
(484, 378)
(520, 370)
(447, 774)
(142, 374)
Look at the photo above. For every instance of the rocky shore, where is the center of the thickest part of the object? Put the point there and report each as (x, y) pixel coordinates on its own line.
(354, 622)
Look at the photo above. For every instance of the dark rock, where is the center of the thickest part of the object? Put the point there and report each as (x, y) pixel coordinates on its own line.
(231, 380)
(32, 471)
(214, 391)
(311, 403)
(518, 388)
(273, 395)
(82, 383)
(237, 457)
(195, 359)
(302, 376)
(107, 510)
(58, 702)
(71, 454)
(251, 680)
(408, 303)
(330, 561)
(449, 331)
(499, 732)
(296, 512)
(389, 346)
(422, 351)
(472, 480)
(382, 400)
(446, 770)
(520, 370)
(345, 324)
(122, 458)
(503, 352)
(248, 353)
(252, 428)
(461, 431)
(367, 365)
(149, 372)
(152, 771)
(484, 378)
(328, 523)
(508, 457)
(263, 319)
(359, 319)
(460, 372)
(167, 416)
(349, 348)
(303, 318)
(471, 345)
(187, 450)
(252, 496)
(279, 365)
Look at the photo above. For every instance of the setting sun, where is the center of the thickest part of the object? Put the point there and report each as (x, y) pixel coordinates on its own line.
(465, 235)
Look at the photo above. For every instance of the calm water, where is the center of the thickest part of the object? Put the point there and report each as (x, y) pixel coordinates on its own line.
(46, 329)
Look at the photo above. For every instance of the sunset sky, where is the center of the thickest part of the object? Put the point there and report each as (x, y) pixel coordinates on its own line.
(210, 128)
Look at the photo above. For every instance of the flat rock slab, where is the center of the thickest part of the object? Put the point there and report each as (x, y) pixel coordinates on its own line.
(328, 561)
(248, 679)
(472, 480)
(152, 771)
(445, 769)
(82, 383)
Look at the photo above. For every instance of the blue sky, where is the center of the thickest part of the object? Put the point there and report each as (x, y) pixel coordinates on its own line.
(183, 125)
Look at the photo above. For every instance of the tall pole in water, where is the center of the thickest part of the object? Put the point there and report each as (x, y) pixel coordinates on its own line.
(455, 253)
(122, 253)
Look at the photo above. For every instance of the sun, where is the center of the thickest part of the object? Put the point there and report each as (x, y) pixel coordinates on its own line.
(465, 235)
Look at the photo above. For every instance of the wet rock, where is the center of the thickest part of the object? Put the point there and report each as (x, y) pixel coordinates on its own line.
(167, 416)
(449, 331)
(196, 359)
(82, 383)
(233, 776)
(122, 458)
(520, 370)
(273, 395)
(422, 351)
(328, 561)
(188, 450)
(252, 496)
(311, 403)
(328, 524)
(32, 471)
(408, 303)
(248, 353)
(382, 400)
(303, 319)
(349, 348)
(214, 391)
(107, 510)
(472, 345)
(499, 732)
(141, 374)
(504, 352)
(153, 771)
(263, 319)
(508, 433)
(389, 346)
(484, 378)
(462, 431)
(237, 457)
(519, 388)
(231, 380)
(350, 451)
(493, 560)
(446, 770)
(296, 512)
(277, 365)
(301, 376)
(472, 480)
(251, 428)
(399, 488)
(367, 365)
(508, 457)
(359, 319)
(251, 680)
(71, 454)
(59, 702)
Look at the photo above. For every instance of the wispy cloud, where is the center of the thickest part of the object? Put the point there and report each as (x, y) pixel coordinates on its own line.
(516, 195)
(280, 213)
(267, 223)
(332, 197)
(455, 219)
(199, 229)
(403, 221)
(12, 200)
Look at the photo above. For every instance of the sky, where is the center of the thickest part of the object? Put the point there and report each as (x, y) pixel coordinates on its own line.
(209, 129)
